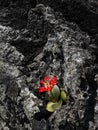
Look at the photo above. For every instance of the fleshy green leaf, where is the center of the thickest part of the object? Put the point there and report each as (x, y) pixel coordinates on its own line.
(55, 92)
(63, 96)
(51, 107)
(50, 97)
(57, 105)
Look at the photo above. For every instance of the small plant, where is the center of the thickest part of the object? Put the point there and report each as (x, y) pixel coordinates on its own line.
(55, 96)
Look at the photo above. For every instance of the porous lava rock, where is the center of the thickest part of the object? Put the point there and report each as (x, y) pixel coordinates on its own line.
(49, 45)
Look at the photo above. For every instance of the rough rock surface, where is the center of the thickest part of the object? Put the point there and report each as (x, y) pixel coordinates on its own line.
(16, 101)
(83, 12)
(65, 55)
(50, 45)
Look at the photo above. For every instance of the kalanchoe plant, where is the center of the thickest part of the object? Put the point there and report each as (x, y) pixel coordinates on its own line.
(55, 96)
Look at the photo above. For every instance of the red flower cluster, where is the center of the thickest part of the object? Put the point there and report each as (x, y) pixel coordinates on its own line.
(47, 83)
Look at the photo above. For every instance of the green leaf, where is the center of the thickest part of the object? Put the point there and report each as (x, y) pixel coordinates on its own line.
(55, 92)
(57, 105)
(51, 107)
(50, 97)
(63, 96)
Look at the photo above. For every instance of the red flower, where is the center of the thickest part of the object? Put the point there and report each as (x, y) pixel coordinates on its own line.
(47, 78)
(47, 83)
(53, 81)
(42, 81)
(43, 89)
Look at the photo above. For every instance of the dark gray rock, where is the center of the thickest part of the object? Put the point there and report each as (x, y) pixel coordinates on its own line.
(82, 12)
(91, 5)
(38, 26)
(51, 46)
(38, 125)
(66, 54)
(17, 103)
